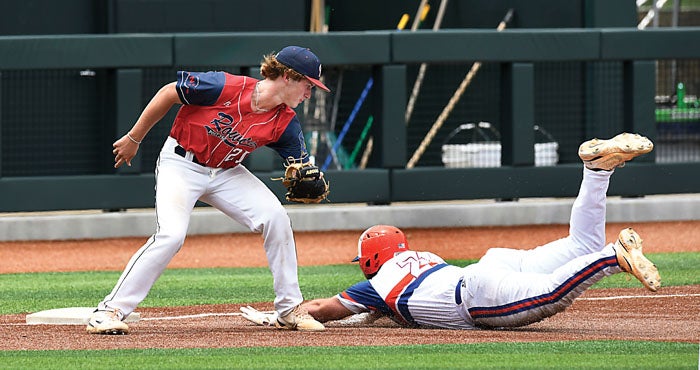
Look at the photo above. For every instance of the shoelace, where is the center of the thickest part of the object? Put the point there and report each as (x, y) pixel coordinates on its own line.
(302, 313)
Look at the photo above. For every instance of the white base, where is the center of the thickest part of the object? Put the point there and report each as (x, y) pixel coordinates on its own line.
(70, 316)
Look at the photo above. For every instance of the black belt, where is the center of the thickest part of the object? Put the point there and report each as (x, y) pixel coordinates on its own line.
(183, 153)
(458, 291)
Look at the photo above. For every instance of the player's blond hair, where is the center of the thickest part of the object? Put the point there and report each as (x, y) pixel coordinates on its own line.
(272, 69)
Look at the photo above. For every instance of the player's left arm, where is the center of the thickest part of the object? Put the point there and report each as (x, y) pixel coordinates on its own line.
(291, 143)
(304, 181)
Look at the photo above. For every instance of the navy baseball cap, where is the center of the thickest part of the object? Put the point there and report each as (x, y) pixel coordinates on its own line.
(303, 61)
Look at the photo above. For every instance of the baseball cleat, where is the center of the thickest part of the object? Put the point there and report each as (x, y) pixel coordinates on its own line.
(628, 249)
(107, 322)
(608, 154)
(299, 319)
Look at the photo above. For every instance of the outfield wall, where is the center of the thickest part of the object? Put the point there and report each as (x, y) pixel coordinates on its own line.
(46, 164)
(325, 217)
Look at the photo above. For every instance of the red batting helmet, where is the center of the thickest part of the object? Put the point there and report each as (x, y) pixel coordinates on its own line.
(377, 245)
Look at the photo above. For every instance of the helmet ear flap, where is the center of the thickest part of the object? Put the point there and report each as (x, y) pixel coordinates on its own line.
(374, 261)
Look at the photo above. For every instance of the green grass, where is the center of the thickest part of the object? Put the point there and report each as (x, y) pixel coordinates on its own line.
(24, 293)
(675, 269)
(554, 355)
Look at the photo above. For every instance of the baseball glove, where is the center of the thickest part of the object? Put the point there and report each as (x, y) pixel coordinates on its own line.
(304, 182)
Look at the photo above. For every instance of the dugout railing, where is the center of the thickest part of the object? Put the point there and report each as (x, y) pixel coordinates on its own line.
(124, 60)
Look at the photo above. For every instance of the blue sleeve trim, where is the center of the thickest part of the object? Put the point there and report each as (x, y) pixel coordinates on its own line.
(291, 143)
(364, 293)
(200, 88)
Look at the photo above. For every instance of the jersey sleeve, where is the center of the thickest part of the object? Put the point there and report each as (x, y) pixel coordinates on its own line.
(362, 297)
(200, 88)
(291, 143)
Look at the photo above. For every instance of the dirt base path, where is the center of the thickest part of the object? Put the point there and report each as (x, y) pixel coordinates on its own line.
(319, 248)
(631, 314)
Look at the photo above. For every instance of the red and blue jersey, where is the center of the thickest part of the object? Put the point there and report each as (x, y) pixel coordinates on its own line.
(217, 123)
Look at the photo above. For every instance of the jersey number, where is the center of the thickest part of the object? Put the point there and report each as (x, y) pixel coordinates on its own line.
(416, 265)
(236, 153)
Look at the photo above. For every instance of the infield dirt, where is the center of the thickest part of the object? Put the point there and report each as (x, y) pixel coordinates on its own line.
(625, 314)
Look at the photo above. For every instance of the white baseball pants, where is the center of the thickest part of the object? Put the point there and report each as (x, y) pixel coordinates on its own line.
(237, 193)
(510, 287)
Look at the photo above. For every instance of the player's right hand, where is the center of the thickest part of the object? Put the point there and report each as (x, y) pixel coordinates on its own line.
(124, 151)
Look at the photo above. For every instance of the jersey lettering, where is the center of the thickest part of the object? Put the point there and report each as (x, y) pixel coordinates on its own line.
(225, 132)
(416, 264)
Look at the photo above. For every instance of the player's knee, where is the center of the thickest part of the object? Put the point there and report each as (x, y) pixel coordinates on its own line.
(502, 257)
(172, 236)
(275, 218)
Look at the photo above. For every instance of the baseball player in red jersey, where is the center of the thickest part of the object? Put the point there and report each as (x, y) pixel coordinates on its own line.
(507, 287)
(223, 118)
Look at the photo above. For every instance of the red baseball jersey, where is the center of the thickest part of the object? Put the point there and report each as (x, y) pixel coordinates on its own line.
(217, 123)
